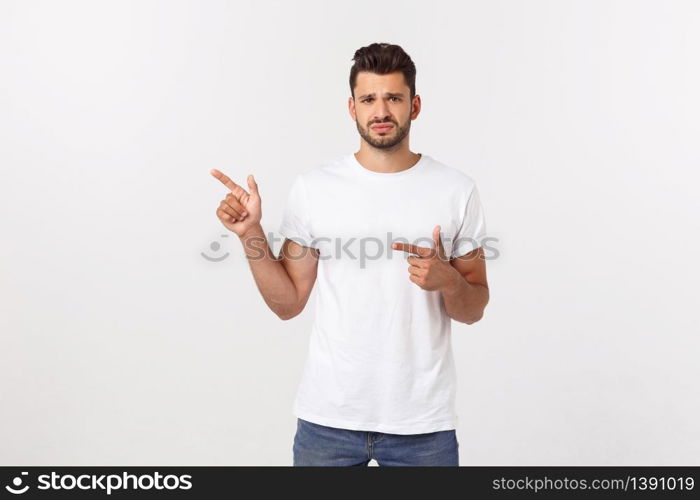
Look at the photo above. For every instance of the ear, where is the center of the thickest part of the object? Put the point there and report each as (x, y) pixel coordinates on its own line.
(415, 103)
(351, 108)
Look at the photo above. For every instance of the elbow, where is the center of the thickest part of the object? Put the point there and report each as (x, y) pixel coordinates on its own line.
(480, 313)
(473, 320)
(287, 314)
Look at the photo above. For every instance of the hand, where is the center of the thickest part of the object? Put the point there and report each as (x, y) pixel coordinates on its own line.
(239, 211)
(430, 269)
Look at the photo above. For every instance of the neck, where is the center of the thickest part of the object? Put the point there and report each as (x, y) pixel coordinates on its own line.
(385, 161)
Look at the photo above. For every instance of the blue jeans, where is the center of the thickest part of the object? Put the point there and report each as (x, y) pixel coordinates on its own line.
(319, 445)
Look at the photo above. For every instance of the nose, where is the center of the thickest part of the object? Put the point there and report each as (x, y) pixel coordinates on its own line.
(381, 113)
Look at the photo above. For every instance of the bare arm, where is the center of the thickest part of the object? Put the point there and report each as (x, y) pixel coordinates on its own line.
(285, 282)
(461, 281)
(467, 296)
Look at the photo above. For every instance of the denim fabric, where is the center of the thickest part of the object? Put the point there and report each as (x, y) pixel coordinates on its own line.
(320, 445)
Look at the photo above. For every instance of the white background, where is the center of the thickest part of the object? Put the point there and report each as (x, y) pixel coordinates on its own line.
(121, 345)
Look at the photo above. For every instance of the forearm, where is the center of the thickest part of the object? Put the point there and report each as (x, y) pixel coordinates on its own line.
(465, 302)
(271, 278)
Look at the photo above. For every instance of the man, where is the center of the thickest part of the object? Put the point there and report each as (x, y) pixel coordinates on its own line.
(393, 238)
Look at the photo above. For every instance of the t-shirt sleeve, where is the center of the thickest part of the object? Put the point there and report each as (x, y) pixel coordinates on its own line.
(295, 223)
(473, 229)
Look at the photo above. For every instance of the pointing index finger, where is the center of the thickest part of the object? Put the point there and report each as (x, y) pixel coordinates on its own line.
(225, 179)
(407, 247)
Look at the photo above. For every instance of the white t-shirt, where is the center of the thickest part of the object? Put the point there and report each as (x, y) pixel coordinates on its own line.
(380, 354)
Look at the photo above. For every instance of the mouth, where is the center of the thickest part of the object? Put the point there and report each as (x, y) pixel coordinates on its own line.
(382, 128)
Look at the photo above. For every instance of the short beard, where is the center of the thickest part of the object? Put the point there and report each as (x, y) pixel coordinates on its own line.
(384, 143)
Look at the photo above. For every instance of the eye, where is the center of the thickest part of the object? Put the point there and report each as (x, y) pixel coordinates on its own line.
(368, 99)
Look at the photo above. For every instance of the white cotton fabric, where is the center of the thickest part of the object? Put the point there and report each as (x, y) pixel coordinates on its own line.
(380, 354)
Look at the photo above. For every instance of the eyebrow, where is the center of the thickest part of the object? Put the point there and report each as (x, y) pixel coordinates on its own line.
(390, 94)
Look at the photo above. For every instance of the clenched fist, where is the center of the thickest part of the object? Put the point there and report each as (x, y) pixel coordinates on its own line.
(240, 210)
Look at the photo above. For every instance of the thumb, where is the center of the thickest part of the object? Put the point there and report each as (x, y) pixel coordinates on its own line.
(253, 185)
(438, 242)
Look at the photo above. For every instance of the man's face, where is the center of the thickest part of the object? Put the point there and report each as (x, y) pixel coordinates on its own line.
(383, 100)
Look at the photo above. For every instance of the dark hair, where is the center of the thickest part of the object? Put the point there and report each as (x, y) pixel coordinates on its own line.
(383, 58)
